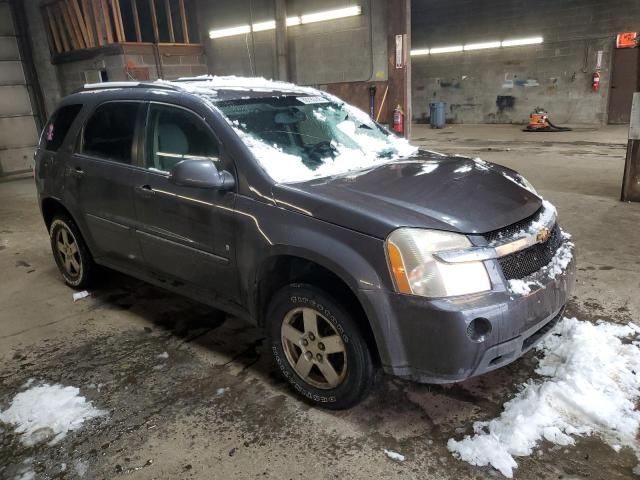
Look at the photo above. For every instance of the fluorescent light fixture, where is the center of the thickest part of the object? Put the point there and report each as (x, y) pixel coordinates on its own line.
(453, 48)
(264, 26)
(516, 42)
(522, 41)
(481, 46)
(228, 32)
(291, 22)
(331, 14)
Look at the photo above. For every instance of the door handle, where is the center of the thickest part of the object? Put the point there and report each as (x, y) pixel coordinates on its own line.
(77, 171)
(144, 191)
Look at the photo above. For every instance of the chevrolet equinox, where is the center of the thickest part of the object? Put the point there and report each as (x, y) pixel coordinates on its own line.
(282, 205)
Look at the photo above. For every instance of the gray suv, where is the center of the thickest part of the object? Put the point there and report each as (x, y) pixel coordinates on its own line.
(284, 206)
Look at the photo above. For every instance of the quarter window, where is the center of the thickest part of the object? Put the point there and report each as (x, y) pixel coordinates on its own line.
(58, 126)
(110, 130)
(175, 135)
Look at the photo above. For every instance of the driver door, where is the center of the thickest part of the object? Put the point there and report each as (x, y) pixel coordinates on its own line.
(186, 233)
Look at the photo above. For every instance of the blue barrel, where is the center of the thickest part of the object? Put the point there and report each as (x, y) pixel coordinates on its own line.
(438, 114)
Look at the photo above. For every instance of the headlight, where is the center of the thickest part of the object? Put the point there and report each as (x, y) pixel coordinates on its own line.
(527, 184)
(416, 271)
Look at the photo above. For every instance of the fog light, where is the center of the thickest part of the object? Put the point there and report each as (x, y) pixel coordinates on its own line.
(478, 329)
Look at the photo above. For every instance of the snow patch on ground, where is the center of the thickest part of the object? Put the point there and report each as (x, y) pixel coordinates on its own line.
(163, 355)
(47, 412)
(394, 455)
(592, 384)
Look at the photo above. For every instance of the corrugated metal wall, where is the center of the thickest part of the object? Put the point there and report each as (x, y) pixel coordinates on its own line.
(18, 131)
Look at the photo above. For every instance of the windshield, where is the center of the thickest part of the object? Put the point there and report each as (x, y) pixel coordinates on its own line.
(298, 138)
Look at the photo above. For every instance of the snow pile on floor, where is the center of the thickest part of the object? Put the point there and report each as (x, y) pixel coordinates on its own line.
(591, 386)
(48, 412)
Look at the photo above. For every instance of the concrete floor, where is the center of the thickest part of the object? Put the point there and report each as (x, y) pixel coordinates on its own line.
(167, 418)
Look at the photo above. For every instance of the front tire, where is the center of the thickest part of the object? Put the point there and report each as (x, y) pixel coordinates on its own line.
(319, 348)
(70, 252)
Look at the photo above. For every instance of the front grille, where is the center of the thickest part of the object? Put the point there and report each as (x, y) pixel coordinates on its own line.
(510, 230)
(525, 262)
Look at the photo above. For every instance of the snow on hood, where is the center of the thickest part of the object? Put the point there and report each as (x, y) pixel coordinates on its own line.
(48, 412)
(591, 386)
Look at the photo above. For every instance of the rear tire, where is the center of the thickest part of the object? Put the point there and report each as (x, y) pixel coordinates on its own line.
(319, 348)
(71, 253)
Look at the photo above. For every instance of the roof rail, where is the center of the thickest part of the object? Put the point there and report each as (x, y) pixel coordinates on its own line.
(200, 78)
(105, 85)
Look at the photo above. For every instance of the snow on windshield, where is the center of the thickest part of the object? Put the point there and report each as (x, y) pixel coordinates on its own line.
(299, 138)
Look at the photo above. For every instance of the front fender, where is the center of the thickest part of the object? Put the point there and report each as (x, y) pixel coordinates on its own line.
(267, 231)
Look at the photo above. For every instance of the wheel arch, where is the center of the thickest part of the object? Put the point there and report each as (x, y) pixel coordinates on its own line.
(286, 267)
(50, 208)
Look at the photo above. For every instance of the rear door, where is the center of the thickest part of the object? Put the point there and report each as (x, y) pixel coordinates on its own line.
(185, 232)
(625, 77)
(101, 177)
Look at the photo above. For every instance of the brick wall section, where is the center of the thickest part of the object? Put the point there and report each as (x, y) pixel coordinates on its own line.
(72, 74)
(555, 75)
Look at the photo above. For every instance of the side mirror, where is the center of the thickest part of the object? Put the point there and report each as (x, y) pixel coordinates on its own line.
(200, 174)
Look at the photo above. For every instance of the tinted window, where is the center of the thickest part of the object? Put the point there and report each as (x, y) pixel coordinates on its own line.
(109, 131)
(175, 135)
(56, 130)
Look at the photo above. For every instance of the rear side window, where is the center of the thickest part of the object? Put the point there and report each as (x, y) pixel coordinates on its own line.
(109, 131)
(56, 130)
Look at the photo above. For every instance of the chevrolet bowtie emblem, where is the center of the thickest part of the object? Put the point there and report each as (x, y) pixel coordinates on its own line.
(543, 235)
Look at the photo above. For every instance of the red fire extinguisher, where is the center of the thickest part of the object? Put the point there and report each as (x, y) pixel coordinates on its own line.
(595, 82)
(398, 120)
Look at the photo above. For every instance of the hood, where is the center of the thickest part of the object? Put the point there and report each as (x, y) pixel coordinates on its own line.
(427, 190)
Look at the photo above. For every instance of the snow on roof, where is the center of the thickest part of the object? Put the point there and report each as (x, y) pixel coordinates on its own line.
(232, 82)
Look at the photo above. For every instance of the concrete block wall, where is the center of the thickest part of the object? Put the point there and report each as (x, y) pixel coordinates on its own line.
(123, 67)
(555, 75)
(341, 50)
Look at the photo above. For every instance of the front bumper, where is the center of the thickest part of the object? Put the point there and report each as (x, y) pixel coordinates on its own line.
(427, 340)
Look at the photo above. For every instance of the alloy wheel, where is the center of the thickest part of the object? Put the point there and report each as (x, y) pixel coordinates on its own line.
(314, 348)
(68, 251)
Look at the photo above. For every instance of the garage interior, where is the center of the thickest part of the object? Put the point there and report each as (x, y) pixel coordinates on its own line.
(191, 392)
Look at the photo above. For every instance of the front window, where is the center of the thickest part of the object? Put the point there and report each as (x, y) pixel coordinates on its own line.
(174, 135)
(298, 138)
